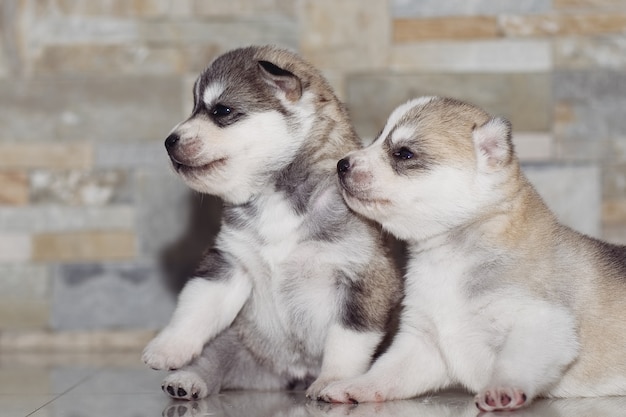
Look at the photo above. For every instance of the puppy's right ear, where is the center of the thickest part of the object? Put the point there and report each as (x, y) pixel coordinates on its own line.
(493, 144)
(281, 79)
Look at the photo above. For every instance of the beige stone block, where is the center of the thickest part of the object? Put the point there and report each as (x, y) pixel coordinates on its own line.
(46, 155)
(238, 8)
(462, 27)
(345, 36)
(614, 233)
(13, 188)
(140, 8)
(614, 212)
(19, 313)
(583, 52)
(588, 4)
(562, 24)
(15, 248)
(533, 146)
(84, 246)
(79, 341)
(484, 56)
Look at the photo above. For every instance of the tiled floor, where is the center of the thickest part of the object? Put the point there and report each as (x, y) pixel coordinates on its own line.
(119, 386)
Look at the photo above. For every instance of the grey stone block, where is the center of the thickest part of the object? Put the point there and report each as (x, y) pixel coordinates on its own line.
(97, 108)
(131, 155)
(585, 85)
(573, 193)
(56, 218)
(109, 296)
(436, 8)
(523, 98)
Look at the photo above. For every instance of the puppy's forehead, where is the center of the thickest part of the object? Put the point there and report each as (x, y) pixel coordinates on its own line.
(400, 114)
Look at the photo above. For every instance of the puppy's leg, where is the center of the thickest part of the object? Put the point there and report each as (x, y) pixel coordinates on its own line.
(205, 308)
(540, 344)
(347, 353)
(224, 364)
(411, 366)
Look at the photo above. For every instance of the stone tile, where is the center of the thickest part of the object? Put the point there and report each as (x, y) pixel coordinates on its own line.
(53, 218)
(573, 193)
(17, 314)
(588, 4)
(614, 180)
(585, 85)
(577, 52)
(456, 27)
(129, 59)
(92, 108)
(614, 211)
(501, 56)
(23, 281)
(92, 188)
(431, 8)
(523, 98)
(614, 233)
(13, 188)
(248, 8)
(534, 147)
(110, 296)
(78, 155)
(345, 36)
(562, 24)
(84, 246)
(133, 155)
(15, 247)
(72, 348)
(172, 216)
(125, 8)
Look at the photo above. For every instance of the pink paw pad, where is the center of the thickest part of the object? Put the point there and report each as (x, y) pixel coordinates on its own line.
(500, 399)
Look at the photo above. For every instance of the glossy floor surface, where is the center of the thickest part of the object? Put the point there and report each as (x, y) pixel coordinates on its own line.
(119, 386)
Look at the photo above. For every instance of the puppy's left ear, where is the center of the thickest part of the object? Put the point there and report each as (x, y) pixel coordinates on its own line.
(281, 79)
(493, 144)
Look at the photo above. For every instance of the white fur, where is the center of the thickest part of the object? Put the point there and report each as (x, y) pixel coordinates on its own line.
(204, 309)
(211, 93)
(347, 354)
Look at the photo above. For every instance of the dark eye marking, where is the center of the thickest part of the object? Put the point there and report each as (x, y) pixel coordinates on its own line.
(220, 110)
(403, 153)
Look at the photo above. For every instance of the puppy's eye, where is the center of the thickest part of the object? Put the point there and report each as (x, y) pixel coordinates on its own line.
(219, 110)
(403, 153)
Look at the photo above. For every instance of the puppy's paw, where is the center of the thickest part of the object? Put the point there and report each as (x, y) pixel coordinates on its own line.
(352, 392)
(186, 385)
(501, 399)
(169, 352)
(315, 389)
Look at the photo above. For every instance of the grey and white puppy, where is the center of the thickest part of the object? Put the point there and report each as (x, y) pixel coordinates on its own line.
(500, 297)
(297, 287)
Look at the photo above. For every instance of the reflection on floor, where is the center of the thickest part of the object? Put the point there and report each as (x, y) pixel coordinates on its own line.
(119, 386)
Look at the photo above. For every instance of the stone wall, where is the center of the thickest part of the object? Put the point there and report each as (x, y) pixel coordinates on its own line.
(96, 234)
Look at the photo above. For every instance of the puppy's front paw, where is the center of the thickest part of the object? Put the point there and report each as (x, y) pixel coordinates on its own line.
(315, 389)
(500, 399)
(168, 351)
(352, 392)
(186, 385)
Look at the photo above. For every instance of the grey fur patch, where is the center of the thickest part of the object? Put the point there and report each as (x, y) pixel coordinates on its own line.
(613, 258)
(297, 184)
(214, 266)
(240, 216)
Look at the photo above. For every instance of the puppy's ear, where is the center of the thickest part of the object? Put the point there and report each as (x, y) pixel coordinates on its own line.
(493, 144)
(281, 79)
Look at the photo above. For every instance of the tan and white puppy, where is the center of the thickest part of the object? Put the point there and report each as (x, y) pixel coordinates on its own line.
(500, 297)
(298, 286)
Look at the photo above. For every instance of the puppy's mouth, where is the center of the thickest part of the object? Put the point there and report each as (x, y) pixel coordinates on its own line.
(183, 169)
(350, 194)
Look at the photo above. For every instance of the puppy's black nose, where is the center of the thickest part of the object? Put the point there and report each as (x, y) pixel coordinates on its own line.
(343, 166)
(171, 141)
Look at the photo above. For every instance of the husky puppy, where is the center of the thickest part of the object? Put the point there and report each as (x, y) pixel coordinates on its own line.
(297, 286)
(500, 297)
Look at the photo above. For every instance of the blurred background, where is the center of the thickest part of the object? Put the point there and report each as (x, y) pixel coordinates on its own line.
(97, 235)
